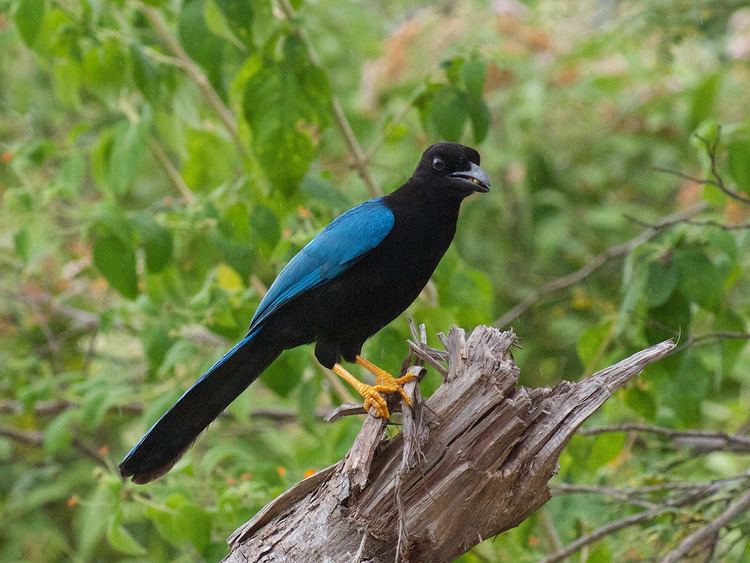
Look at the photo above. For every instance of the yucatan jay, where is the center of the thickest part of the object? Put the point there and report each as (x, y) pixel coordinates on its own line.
(356, 276)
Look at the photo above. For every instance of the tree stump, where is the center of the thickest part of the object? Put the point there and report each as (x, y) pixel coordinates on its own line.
(472, 461)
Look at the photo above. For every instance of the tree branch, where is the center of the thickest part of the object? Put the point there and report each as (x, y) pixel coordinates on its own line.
(594, 264)
(472, 461)
(705, 533)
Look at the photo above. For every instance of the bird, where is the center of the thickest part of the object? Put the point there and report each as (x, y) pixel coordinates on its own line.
(356, 276)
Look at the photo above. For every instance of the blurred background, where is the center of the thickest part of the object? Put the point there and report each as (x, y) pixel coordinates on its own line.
(160, 161)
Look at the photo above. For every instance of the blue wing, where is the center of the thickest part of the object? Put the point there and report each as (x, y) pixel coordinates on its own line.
(336, 249)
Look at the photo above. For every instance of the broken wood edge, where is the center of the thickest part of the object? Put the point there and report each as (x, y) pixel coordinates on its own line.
(547, 443)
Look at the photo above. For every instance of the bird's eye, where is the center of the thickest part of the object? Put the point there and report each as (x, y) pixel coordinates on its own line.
(438, 163)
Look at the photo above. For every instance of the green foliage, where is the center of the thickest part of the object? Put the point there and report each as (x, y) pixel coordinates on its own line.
(146, 201)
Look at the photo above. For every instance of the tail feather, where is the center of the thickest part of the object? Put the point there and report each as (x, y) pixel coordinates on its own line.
(177, 429)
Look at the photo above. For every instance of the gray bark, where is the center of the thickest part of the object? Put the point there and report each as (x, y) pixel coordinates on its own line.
(471, 462)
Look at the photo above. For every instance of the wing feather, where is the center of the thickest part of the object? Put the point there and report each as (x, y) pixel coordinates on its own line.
(336, 249)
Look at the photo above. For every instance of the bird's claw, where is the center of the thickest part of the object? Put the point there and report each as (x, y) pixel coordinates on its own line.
(374, 394)
(374, 399)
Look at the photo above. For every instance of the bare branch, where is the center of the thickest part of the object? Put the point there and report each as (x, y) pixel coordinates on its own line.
(703, 439)
(169, 169)
(36, 439)
(594, 264)
(703, 534)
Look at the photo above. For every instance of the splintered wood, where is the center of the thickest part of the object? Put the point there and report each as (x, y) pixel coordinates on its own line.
(471, 461)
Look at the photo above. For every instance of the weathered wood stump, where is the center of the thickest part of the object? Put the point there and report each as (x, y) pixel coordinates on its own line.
(471, 462)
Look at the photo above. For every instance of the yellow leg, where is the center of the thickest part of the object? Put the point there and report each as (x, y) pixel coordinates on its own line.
(385, 380)
(371, 393)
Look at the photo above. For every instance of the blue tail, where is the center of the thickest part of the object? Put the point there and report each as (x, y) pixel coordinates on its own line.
(177, 429)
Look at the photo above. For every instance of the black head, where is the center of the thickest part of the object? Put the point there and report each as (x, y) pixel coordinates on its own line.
(452, 169)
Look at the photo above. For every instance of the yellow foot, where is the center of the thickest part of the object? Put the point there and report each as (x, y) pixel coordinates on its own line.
(373, 394)
(385, 382)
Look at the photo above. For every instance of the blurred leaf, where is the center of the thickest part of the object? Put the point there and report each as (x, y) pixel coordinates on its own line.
(474, 74)
(116, 261)
(739, 163)
(669, 320)
(266, 231)
(58, 434)
(286, 372)
(699, 281)
(641, 401)
(203, 46)
(286, 105)
(480, 117)
(592, 342)
(239, 16)
(157, 241)
(605, 448)
(120, 539)
(703, 99)
(662, 281)
(92, 520)
(28, 19)
(128, 149)
(449, 112)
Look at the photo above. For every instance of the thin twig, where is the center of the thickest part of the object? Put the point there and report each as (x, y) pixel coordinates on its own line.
(194, 72)
(36, 439)
(621, 494)
(594, 264)
(169, 169)
(355, 149)
(693, 222)
(706, 532)
(738, 442)
(616, 525)
(717, 180)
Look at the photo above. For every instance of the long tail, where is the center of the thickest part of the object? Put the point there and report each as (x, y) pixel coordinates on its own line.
(177, 429)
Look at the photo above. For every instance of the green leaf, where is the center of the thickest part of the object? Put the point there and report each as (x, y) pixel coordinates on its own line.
(592, 342)
(662, 281)
(92, 521)
(120, 539)
(146, 74)
(28, 19)
(128, 149)
(739, 163)
(21, 243)
(700, 281)
(58, 434)
(157, 241)
(689, 384)
(605, 448)
(239, 16)
(286, 372)
(449, 112)
(286, 103)
(266, 231)
(641, 401)
(203, 46)
(703, 99)
(116, 262)
(669, 320)
(474, 72)
(480, 117)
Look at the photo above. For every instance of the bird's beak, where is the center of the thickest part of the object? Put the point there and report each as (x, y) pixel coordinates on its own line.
(475, 177)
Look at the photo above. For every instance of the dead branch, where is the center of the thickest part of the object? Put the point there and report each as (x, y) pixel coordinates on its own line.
(472, 461)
